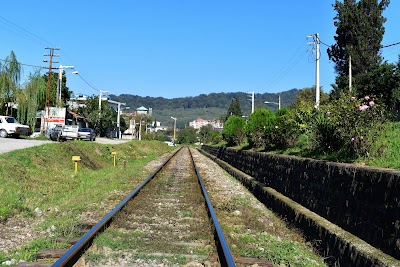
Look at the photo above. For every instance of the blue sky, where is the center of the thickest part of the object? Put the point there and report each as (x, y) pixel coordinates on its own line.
(179, 48)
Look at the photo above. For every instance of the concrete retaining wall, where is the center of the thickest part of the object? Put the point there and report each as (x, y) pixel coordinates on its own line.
(364, 201)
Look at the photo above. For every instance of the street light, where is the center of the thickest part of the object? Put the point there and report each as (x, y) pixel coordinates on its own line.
(174, 128)
(279, 102)
(59, 84)
(118, 116)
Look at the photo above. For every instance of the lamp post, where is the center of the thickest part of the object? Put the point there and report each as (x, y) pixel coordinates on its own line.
(118, 114)
(279, 102)
(174, 128)
(59, 84)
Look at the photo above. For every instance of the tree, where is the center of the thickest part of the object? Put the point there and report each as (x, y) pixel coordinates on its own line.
(307, 95)
(30, 98)
(234, 130)
(10, 75)
(234, 108)
(205, 133)
(65, 92)
(260, 121)
(187, 136)
(216, 137)
(359, 34)
(102, 121)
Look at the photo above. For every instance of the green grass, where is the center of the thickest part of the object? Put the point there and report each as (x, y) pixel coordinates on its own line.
(385, 151)
(43, 177)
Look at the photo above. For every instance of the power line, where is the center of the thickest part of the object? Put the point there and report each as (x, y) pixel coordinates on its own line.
(41, 67)
(292, 62)
(22, 64)
(16, 29)
(390, 45)
(23, 32)
(88, 83)
(382, 46)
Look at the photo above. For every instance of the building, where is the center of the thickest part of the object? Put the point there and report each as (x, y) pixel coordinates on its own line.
(144, 111)
(199, 122)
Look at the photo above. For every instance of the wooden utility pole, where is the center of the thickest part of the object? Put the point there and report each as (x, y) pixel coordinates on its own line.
(51, 55)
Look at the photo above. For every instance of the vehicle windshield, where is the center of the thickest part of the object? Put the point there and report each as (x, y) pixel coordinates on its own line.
(84, 130)
(11, 120)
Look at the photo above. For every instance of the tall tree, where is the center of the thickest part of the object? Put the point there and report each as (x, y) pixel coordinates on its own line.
(30, 98)
(65, 92)
(359, 33)
(10, 75)
(234, 108)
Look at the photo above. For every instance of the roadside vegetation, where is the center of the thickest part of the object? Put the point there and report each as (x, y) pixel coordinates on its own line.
(347, 129)
(40, 183)
(355, 123)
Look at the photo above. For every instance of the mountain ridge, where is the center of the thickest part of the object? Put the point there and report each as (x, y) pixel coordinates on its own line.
(206, 106)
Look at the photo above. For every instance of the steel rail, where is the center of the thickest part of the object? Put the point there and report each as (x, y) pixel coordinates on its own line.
(224, 253)
(80, 247)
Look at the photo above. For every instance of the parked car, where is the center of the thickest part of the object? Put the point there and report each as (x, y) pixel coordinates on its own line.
(64, 132)
(10, 126)
(86, 134)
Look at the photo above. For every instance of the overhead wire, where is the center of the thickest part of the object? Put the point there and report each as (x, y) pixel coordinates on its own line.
(20, 31)
(291, 63)
(23, 64)
(88, 83)
(23, 32)
(70, 60)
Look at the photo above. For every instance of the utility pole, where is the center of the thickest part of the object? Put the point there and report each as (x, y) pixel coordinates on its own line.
(252, 101)
(279, 102)
(316, 42)
(350, 74)
(100, 96)
(51, 55)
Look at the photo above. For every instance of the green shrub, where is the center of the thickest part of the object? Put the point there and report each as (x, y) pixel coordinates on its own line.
(284, 133)
(347, 125)
(216, 137)
(234, 130)
(259, 122)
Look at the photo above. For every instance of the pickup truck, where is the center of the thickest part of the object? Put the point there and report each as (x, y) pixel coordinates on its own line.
(9, 126)
(64, 132)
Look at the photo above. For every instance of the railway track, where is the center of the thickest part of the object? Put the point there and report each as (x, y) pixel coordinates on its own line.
(168, 216)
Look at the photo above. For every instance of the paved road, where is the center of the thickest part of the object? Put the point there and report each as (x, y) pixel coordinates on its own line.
(10, 144)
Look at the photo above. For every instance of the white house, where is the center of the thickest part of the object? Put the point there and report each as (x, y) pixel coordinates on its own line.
(199, 122)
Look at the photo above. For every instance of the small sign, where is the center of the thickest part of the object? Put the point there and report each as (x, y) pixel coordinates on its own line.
(76, 158)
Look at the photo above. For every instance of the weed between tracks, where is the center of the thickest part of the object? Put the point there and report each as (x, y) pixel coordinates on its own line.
(167, 221)
(43, 178)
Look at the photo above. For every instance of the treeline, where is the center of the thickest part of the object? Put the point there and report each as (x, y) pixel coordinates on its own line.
(213, 100)
(209, 107)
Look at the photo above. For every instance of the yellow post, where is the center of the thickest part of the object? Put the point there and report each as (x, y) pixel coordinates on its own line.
(114, 155)
(76, 159)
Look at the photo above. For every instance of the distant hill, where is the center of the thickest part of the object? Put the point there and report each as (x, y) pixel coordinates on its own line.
(211, 106)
